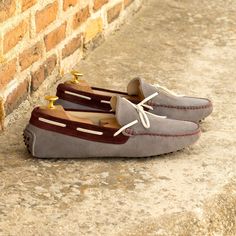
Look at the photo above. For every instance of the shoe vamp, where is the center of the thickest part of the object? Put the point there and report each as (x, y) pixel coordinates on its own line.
(161, 126)
(164, 98)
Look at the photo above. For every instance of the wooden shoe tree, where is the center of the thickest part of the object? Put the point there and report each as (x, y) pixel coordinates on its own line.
(82, 85)
(100, 119)
(77, 83)
(109, 123)
(59, 112)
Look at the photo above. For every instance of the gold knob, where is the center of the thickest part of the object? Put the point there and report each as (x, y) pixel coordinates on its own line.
(76, 76)
(51, 100)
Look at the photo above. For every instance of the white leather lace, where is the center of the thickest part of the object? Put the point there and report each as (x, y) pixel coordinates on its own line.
(142, 114)
(168, 91)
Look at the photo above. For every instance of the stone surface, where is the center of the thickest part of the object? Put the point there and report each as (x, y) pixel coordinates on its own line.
(80, 17)
(7, 72)
(26, 4)
(55, 37)
(46, 16)
(18, 95)
(191, 49)
(15, 35)
(30, 55)
(2, 114)
(69, 3)
(127, 2)
(114, 12)
(7, 9)
(93, 28)
(98, 4)
(45, 70)
(71, 46)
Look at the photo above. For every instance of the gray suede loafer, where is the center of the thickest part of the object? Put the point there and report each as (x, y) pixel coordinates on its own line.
(77, 94)
(129, 131)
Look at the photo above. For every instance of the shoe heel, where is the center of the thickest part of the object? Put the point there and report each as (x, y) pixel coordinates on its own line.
(42, 143)
(29, 139)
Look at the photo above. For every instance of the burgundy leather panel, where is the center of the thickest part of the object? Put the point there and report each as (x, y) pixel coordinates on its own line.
(95, 101)
(71, 126)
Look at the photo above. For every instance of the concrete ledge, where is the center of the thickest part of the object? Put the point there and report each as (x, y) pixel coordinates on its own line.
(216, 216)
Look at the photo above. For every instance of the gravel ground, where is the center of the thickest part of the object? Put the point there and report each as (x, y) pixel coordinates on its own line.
(188, 46)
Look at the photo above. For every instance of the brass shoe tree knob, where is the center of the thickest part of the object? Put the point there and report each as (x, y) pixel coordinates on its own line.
(76, 76)
(51, 100)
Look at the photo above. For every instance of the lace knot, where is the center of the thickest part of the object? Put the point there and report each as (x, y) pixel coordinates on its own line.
(143, 115)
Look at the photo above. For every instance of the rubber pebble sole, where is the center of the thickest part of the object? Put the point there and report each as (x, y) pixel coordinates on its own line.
(47, 144)
(29, 139)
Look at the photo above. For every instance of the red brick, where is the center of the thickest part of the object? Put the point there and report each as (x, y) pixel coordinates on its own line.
(27, 4)
(71, 47)
(46, 16)
(114, 12)
(68, 3)
(30, 55)
(43, 72)
(127, 2)
(18, 95)
(98, 4)
(7, 72)
(37, 78)
(55, 37)
(7, 9)
(14, 36)
(81, 17)
(93, 28)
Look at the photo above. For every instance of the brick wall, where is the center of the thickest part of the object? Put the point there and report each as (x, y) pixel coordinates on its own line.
(41, 38)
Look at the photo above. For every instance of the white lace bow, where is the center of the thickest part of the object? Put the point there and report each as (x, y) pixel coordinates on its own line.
(143, 115)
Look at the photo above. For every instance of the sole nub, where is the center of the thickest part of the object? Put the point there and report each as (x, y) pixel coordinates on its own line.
(29, 140)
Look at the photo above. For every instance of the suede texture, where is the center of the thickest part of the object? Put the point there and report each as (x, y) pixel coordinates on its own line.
(174, 107)
(164, 104)
(48, 144)
(125, 113)
(163, 136)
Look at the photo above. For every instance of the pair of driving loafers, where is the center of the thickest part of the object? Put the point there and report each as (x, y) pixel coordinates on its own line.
(87, 121)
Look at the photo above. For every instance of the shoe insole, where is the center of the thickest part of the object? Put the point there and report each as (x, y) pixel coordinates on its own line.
(100, 119)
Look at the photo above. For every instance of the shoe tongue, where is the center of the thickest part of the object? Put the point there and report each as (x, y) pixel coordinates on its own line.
(138, 87)
(124, 111)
